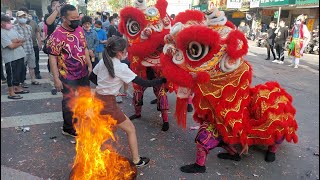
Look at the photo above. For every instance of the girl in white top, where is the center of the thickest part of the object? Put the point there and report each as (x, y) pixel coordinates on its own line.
(109, 75)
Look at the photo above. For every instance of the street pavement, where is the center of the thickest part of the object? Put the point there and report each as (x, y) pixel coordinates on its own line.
(35, 155)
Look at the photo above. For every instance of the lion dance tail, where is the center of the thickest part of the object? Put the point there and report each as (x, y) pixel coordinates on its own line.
(272, 115)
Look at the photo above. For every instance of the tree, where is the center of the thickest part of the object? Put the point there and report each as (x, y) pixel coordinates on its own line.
(116, 5)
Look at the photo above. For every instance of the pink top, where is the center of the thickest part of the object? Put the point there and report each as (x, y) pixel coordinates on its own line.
(70, 47)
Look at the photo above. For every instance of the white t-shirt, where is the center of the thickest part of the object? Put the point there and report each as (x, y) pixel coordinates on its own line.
(108, 85)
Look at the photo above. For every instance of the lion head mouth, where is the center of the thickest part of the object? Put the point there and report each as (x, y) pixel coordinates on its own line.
(153, 59)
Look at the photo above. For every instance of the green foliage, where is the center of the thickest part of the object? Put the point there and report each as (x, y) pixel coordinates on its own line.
(115, 5)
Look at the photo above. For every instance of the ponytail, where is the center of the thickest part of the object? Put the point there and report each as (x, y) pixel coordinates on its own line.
(113, 45)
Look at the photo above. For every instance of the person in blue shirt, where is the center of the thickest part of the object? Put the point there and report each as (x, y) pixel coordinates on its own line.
(91, 38)
(102, 36)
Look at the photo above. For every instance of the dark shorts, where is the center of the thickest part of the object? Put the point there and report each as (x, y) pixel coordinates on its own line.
(111, 107)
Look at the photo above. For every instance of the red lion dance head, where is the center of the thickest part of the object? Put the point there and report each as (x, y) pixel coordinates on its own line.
(202, 46)
(145, 28)
(204, 55)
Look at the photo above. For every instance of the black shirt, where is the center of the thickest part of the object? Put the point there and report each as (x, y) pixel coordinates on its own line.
(113, 30)
(271, 35)
(54, 25)
(282, 35)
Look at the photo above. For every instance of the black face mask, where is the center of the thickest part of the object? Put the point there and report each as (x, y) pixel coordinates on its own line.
(74, 24)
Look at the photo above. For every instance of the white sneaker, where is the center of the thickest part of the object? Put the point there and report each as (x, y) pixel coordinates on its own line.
(275, 61)
(296, 66)
(291, 65)
(280, 62)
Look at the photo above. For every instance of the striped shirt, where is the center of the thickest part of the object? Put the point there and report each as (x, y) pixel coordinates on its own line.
(26, 33)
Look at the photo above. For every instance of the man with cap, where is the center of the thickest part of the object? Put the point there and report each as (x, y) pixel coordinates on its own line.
(36, 39)
(25, 31)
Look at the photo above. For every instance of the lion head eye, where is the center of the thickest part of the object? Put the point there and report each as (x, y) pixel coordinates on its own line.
(197, 51)
(133, 27)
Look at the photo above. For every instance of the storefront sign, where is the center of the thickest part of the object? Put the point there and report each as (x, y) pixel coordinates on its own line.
(245, 4)
(202, 7)
(268, 12)
(220, 4)
(276, 14)
(266, 3)
(310, 23)
(238, 14)
(254, 3)
(235, 4)
(307, 2)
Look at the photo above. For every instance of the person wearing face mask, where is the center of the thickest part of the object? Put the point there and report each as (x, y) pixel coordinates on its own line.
(280, 40)
(69, 62)
(25, 31)
(113, 29)
(12, 54)
(36, 39)
(270, 40)
(300, 39)
(91, 38)
(109, 75)
(52, 21)
(116, 19)
(102, 36)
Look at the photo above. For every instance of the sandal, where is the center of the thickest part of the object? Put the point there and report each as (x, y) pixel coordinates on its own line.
(35, 83)
(22, 92)
(15, 97)
(24, 85)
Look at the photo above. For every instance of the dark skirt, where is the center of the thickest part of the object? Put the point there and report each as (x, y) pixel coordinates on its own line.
(111, 107)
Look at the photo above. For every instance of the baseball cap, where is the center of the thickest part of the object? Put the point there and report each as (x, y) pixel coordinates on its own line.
(20, 13)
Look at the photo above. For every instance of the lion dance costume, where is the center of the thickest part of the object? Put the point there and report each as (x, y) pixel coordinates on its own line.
(203, 55)
(145, 28)
(300, 39)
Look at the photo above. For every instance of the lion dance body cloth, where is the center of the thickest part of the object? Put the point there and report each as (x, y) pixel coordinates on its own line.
(204, 55)
(145, 28)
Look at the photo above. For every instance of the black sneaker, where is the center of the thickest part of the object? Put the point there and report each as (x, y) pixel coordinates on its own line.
(38, 76)
(189, 108)
(134, 117)
(143, 162)
(193, 168)
(165, 126)
(54, 91)
(267, 58)
(71, 133)
(234, 157)
(155, 101)
(270, 156)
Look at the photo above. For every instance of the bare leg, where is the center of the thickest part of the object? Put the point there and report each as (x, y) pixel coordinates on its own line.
(125, 87)
(130, 130)
(32, 74)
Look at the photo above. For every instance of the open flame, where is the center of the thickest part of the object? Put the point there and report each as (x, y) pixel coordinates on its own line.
(92, 162)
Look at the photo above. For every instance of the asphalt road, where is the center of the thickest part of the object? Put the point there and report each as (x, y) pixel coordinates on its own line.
(33, 155)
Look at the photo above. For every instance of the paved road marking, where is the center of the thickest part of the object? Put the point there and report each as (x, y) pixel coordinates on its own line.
(35, 96)
(31, 96)
(12, 174)
(28, 120)
(28, 81)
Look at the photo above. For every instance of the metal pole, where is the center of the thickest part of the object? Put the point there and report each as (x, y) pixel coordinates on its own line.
(279, 14)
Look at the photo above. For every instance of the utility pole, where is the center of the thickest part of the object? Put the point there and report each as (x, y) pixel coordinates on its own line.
(279, 14)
